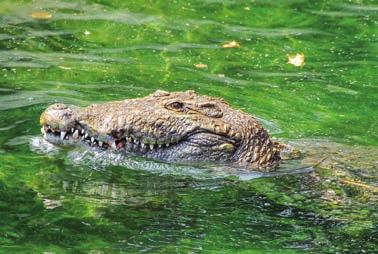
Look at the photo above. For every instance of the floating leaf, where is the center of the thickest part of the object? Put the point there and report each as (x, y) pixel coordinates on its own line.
(64, 67)
(231, 44)
(201, 66)
(296, 60)
(41, 15)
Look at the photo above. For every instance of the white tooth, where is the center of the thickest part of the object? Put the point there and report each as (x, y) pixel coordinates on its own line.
(86, 135)
(159, 145)
(82, 138)
(76, 134)
(129, 139)
(72, 130)
(45, 135)
(100, 143)
(136, 141)
(167, 144)
(43, 130)
(151, 146)
(113, 145)
(142, 144)
(62, 135)
(92, 139)
(82, 131)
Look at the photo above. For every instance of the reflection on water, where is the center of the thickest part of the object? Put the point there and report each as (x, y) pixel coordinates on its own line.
(78, 200)
(187, 200)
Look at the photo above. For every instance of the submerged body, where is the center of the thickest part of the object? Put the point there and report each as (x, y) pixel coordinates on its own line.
(177, 126)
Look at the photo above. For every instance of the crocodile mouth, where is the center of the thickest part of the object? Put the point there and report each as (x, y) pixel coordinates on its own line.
(116, 141)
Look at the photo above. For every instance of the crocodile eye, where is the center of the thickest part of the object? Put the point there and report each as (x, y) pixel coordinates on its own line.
(176, 105)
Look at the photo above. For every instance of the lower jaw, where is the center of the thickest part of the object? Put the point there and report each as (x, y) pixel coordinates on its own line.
(175, 153)
(185, 150)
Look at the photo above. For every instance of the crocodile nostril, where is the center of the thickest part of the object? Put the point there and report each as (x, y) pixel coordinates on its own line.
(59, 106)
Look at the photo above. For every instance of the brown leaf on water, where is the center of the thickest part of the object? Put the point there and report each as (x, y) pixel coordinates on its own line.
(231, 44)
(296, 60)
(200, 66)
(41, 15)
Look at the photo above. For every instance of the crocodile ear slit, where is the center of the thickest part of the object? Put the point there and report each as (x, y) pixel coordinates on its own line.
(210, 109)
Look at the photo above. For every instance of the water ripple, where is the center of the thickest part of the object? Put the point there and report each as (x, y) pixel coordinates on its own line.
(32, 34)
(18, 58)
(244, 31)
(28, 98)
(174, 47)
(81, 11)
(272, 32)
(364, 8)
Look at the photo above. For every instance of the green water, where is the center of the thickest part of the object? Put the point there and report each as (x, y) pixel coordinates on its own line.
(93, 51)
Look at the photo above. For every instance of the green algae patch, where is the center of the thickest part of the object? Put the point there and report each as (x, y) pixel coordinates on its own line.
(84, 52)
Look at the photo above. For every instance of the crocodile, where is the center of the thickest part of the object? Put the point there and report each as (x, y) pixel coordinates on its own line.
(166, 126)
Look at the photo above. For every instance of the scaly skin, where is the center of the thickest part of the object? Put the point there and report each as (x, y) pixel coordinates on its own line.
(177, 126)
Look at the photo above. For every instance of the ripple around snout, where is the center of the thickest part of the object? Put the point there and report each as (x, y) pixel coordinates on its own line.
(317, 152)
(82, 156)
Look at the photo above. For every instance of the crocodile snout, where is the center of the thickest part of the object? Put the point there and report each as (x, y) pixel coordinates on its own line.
(58, 116)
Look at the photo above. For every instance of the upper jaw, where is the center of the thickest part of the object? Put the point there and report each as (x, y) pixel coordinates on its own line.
(79, 134)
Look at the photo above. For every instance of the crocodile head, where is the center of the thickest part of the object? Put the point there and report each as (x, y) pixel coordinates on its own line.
(177, 126)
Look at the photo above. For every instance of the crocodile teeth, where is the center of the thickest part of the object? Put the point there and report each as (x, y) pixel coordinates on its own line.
(136, 141)
(142, 145)
(82, 131)
(76, 134)
(100, 143)
(113, 145)
(159, 145)
(167, 144)
(72, 130)
(62, 134)
(151, 146)
(45, 135)
(92, 139)
(86, 135)
(43, 130)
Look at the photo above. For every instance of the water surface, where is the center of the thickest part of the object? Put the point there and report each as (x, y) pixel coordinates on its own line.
(66, 200)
